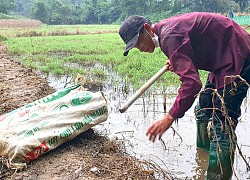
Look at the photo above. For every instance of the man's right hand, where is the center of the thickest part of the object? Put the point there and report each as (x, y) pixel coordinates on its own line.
(159, 127)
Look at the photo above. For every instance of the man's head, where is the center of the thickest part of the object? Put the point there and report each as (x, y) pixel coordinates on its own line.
(130, 30)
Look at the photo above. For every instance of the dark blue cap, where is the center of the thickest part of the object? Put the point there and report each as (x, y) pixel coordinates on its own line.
(129, 31)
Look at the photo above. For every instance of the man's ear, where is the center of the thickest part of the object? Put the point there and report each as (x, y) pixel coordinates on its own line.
(149, 29)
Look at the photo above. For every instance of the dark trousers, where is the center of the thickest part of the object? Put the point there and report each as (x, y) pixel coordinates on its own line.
(234, 94)
(223, 111)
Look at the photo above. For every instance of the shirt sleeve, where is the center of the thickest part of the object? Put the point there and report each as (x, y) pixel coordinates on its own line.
(180, 53)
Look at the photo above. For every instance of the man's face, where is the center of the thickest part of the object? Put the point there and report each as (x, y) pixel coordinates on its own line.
(145, 43)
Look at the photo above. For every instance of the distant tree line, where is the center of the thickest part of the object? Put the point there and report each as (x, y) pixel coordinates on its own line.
(113, 11)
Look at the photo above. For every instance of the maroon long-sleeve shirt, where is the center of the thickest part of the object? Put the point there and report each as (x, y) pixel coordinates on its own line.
(204, 41)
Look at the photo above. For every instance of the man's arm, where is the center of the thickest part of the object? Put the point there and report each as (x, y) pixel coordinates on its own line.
(180, 56)
(180, 52)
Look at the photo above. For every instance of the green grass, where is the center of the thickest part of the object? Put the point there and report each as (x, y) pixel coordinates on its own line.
(51, 53)
(2, 38)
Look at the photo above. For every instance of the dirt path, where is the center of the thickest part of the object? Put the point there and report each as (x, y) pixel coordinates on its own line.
(88, 156)
(19, 85)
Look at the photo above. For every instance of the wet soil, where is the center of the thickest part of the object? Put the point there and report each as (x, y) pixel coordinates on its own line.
(91, 155)
(19, 85)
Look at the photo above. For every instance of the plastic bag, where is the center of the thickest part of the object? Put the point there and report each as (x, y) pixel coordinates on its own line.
(36, 128)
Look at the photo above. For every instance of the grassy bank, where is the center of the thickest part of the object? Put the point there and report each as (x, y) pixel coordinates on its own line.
(68, 54)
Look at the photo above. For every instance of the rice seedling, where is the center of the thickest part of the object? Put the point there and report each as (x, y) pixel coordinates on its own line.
(55, 53)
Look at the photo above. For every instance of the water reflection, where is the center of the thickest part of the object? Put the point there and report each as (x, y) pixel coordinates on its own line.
(177, 151)
(201, 158)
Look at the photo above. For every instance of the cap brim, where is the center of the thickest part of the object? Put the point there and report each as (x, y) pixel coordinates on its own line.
(131, 44)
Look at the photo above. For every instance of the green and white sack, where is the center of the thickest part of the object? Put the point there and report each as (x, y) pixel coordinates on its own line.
(43, 125)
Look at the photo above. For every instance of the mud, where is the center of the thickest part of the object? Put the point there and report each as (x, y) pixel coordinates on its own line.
(19, 85)
(91, 155)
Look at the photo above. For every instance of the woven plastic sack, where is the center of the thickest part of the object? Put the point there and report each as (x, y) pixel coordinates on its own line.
(32, 130)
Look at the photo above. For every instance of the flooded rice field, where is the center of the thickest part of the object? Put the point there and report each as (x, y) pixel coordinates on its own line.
(177, 151)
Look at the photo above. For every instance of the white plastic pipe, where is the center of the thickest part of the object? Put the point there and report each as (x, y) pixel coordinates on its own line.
(143, 88)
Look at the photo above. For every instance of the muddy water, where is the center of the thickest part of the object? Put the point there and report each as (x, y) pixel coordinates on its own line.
(177, 151)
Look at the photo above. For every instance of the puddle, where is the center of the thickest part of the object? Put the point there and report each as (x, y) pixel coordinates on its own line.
(177, 151)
